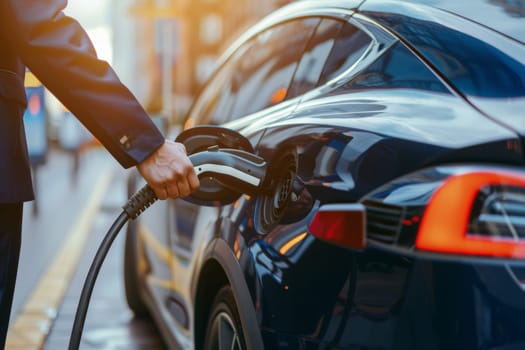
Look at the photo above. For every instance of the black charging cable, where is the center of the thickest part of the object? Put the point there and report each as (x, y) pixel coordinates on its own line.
(139, 202)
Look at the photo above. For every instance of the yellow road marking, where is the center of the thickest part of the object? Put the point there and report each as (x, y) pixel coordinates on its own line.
(31, 326)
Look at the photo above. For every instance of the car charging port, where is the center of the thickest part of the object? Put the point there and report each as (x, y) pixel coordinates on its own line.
(279, 191)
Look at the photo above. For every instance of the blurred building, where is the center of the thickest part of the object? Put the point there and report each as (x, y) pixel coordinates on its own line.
(166, 49)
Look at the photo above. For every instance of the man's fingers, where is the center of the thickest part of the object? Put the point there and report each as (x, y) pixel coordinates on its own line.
(193, 180)
(184, 188)
(160, 192)
(189, 183)
(172, 191)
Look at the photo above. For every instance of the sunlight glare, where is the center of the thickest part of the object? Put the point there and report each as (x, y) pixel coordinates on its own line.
(94, 16)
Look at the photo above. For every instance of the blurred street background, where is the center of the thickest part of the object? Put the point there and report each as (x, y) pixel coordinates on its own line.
(163, 51)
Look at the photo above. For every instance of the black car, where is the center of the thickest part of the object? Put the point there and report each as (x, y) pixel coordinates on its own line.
(393, 211)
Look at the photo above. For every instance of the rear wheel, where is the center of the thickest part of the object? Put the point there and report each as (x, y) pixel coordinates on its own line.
(224, 330)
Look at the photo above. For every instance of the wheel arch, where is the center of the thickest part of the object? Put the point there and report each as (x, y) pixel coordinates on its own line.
(222, 268)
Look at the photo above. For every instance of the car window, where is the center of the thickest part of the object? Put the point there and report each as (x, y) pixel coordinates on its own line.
(264, 74)
(476, 60)
(397, 68)
(312, 62)
(214, 103)
(350, 45)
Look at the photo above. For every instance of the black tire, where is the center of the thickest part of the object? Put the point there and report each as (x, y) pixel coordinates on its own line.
(224, 329)
(131, 272)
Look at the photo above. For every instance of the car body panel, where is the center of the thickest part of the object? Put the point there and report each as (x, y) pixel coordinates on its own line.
(353, 135)
(346, 137)
(381, 299)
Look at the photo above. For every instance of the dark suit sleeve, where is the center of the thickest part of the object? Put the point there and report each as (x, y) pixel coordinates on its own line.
(59, 52)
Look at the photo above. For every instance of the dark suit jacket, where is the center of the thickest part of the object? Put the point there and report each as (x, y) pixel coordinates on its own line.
(37, 34)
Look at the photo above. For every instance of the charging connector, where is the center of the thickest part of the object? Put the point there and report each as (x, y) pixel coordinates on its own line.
(139, 202)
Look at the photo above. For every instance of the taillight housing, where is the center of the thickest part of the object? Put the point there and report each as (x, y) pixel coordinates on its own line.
(480, 213)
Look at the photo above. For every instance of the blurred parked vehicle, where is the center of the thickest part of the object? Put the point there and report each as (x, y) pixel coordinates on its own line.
(394, 210)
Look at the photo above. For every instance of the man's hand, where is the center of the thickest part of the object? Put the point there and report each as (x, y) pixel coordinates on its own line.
(169, 171)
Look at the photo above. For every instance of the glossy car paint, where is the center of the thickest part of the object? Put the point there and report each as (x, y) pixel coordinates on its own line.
(480, 62)
(350, 143)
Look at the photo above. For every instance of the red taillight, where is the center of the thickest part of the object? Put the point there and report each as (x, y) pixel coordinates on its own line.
(341, 224)
(444, 227)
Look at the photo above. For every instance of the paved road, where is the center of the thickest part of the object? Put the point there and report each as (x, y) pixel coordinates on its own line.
(57, 248)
